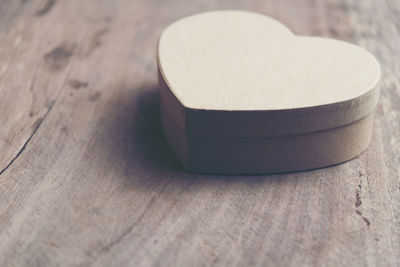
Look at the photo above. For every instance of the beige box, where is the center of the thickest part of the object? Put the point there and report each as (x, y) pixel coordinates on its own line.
(240, 93)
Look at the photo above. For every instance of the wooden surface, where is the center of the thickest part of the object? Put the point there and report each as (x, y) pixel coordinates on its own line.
(87, 178)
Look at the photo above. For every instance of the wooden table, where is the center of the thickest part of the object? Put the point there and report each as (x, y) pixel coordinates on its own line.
(87, 178)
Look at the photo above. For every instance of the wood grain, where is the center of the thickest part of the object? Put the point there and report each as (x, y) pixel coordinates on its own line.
(87, 177)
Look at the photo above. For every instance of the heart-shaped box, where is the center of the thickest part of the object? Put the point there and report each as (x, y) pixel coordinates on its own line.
(240, 93)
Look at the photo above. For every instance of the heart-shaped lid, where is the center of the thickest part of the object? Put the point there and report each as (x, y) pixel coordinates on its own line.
(237, 73)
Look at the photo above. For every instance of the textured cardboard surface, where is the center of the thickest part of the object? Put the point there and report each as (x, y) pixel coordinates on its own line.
(245, 95)
(233, 60)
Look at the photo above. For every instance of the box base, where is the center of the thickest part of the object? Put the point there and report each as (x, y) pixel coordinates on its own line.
(259, 155)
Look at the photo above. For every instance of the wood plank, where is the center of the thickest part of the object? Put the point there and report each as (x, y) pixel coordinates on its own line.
(91, 181)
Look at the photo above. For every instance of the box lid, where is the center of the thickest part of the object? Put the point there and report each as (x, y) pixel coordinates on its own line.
(241, 74)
